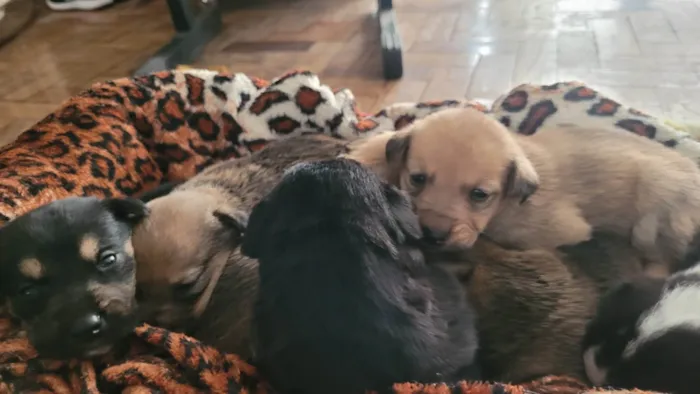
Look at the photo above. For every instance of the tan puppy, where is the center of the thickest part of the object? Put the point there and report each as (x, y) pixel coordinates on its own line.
(468, 174)
(190, 272)
(533, 305)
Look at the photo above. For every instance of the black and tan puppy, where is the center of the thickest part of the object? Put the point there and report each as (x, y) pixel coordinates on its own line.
(346, 301)
(646, 335)
(67, 272)
(191, 275)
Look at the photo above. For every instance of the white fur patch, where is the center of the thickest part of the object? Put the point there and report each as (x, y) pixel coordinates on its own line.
(677, 308)
(596, 374)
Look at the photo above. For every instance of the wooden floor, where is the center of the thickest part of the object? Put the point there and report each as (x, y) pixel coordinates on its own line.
(644, 52)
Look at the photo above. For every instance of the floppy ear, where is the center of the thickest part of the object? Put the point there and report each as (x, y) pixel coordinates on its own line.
(521, 179)
(402, 209)
(253, 239)
(395, 154)
(128, 210)
(216, 268)
(233, 220)
(397, 148)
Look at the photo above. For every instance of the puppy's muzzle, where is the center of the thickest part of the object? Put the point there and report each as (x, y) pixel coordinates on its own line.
(436, 227)
(436, 236)
(88, 327)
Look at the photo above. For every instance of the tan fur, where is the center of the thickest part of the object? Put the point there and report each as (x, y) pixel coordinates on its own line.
(31, 268)
(183, 245)
(370, 151)
(583, 179)
(533, 305)
(113, 298)
(129, 248)
(89, 247)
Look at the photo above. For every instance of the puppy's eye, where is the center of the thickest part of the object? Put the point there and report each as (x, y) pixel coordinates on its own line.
(107, 260)
(478, 195)
(418, 179)
(28, 290)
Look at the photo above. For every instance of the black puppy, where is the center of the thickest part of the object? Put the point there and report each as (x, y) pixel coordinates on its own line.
(646, 335)
(67, 272)
(346, 301)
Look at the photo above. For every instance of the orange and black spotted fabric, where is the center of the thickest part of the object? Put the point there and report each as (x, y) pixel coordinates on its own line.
(126, 136)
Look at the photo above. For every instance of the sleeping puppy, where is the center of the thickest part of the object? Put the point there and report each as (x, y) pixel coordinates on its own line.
(191, 275)
(67, 273)
(346, 302)
(533, 305)
(646, 335)
(468, 175)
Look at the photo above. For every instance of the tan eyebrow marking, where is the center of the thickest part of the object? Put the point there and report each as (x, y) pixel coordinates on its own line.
(129, 248)
(31, 268)
(89, 246)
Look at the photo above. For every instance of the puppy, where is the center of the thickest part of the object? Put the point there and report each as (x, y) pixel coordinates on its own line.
(645, 335)
(346, 302)
(67, 273)
(468, 175)
(532, 308)
(191, 275)
(533, 305)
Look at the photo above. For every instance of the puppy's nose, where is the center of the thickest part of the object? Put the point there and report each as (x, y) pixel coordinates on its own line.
(90, 325)
(433, 235)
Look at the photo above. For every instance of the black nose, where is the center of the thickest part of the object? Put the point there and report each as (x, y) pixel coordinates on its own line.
(90, 325)
(435, 236)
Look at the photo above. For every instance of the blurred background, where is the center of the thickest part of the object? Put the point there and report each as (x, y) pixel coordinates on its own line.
(644, 52)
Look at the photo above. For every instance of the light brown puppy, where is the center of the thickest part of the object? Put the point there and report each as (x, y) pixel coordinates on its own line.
(190, 273)
(533, 305)
(468, 175)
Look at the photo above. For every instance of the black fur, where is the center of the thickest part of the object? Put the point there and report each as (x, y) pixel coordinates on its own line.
(161, 190)
(668, 362)
(58, 308)
(615, 321)
(346, 301)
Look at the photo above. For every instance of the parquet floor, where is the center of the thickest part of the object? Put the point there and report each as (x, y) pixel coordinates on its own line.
(645, 52)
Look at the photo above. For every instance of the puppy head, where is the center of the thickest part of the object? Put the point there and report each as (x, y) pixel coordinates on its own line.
(459, 165)
(615, 324)
(181, 250)
(67, 272)
(326, 195)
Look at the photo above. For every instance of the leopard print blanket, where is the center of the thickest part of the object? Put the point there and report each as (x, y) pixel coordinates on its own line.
(126, 136)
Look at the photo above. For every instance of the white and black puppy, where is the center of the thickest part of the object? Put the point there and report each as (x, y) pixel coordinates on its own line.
(346, 302)
(646, 335)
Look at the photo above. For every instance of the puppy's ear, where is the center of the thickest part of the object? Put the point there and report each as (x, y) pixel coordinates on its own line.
(215, 269)
(254, 239)
(233, 220)
(521, 179)
(128, 210)
(397, 148)
(402, 209)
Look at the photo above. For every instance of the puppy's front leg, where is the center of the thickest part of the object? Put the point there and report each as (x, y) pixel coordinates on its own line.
(644, 235)
(537, 227)
(567, 226)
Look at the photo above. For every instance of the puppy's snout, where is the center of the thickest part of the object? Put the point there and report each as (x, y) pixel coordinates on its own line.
(88, 326)
(435, 235)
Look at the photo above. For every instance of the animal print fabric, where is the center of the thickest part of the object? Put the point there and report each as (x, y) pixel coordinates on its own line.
(125, 136)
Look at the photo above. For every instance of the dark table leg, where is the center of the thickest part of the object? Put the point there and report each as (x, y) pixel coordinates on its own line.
(392, 57)
(192, 32)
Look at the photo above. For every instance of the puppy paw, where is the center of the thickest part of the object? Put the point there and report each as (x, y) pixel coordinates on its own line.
(568, 227)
